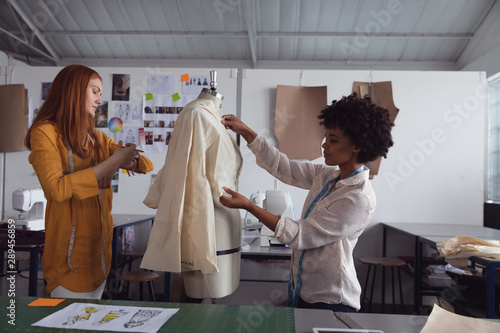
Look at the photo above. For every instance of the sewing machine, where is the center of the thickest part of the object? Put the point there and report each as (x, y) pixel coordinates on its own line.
(276, 202)
(33, 202)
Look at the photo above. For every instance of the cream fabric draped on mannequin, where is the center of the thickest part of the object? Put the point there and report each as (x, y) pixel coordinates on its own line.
(192, 232)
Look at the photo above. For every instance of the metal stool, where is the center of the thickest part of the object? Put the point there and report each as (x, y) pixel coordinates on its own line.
(128, 257)
(141, 276)
(383, 262)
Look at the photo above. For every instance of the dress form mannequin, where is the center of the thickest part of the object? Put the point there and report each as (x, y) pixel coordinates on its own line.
(228, 239)
(193, 233)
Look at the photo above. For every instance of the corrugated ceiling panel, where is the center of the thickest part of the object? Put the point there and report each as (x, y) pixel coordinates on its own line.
(268, 48)
(287, 49)
(448, 49)
(168, 48)
(268, 15)
(349, 10)
(116, 46)
(102, 17)
(412, 50)
(134, 14)
(116, 15)
(79, 14)
(407, 16)
(238, 48)
(329, 13)
(100, 47)
(394, 49)
(133, 47)
(288, 16)
(192, 12)
(430, 16)
(202, 48)
(309, 13)
(284, 16)
(428, 51)
(471, 16)
(305, 48)
(184, 48)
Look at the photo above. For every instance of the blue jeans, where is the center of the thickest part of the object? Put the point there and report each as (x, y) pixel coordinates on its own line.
(334, 307)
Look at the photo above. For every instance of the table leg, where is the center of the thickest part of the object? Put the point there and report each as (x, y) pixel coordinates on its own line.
(33, 280)
(166, 287)
(384, 241)
(490, 291)
(417, 277)
(114, 250)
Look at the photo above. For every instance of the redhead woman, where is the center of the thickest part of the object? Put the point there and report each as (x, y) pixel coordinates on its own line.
(75, 163)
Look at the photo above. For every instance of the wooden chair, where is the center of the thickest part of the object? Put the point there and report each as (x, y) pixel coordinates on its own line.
(383, 262)
(128, 257)
(141, 277)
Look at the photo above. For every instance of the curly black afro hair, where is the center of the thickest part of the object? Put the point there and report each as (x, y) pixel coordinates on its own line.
(366, 124)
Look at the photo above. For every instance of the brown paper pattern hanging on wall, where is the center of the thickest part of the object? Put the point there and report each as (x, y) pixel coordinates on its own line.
(13, 112)
(296, 123)
(381, 94)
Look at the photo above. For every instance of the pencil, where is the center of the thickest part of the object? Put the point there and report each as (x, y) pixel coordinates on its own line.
(120, 146)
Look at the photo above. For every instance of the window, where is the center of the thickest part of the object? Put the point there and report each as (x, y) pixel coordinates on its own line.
(492, 186)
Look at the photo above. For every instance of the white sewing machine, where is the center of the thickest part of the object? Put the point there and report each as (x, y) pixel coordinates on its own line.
(274, 201)
(33, 202)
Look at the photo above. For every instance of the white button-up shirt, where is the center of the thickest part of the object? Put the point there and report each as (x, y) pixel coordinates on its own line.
(330, 232)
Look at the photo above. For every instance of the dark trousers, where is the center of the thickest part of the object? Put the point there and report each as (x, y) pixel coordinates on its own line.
(325, 306)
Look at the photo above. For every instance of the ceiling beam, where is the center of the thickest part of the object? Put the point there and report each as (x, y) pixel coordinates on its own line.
(203, 34)
(248, 10)
(27, 44)
(38, 34)
(264, 64)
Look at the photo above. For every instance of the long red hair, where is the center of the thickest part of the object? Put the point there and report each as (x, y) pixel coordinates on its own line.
(65, 109)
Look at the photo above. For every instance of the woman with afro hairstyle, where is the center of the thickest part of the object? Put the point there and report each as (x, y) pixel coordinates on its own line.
(338, 207)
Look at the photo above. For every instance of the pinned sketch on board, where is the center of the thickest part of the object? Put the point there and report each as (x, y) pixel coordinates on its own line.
(100, 317)
(161, 84)
(129, 134)
(128, 112)
(195, 83)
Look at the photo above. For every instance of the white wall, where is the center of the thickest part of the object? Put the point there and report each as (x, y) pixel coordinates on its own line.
(420, 181)
(19, 173)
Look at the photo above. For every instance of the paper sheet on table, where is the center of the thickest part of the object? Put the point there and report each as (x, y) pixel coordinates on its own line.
(100, 317)
(443, 321)
(46, 302)
(456, 250)
(296, 123)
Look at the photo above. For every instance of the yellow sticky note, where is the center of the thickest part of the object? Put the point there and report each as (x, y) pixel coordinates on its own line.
(184, 77)
(47, 302)
(176, 97)
(149, 96)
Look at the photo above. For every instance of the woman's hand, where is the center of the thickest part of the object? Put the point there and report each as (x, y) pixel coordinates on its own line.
(125, 156)
(236, 200)
(105, 181)
(233, 199)
(237, 126)
(121, 158)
